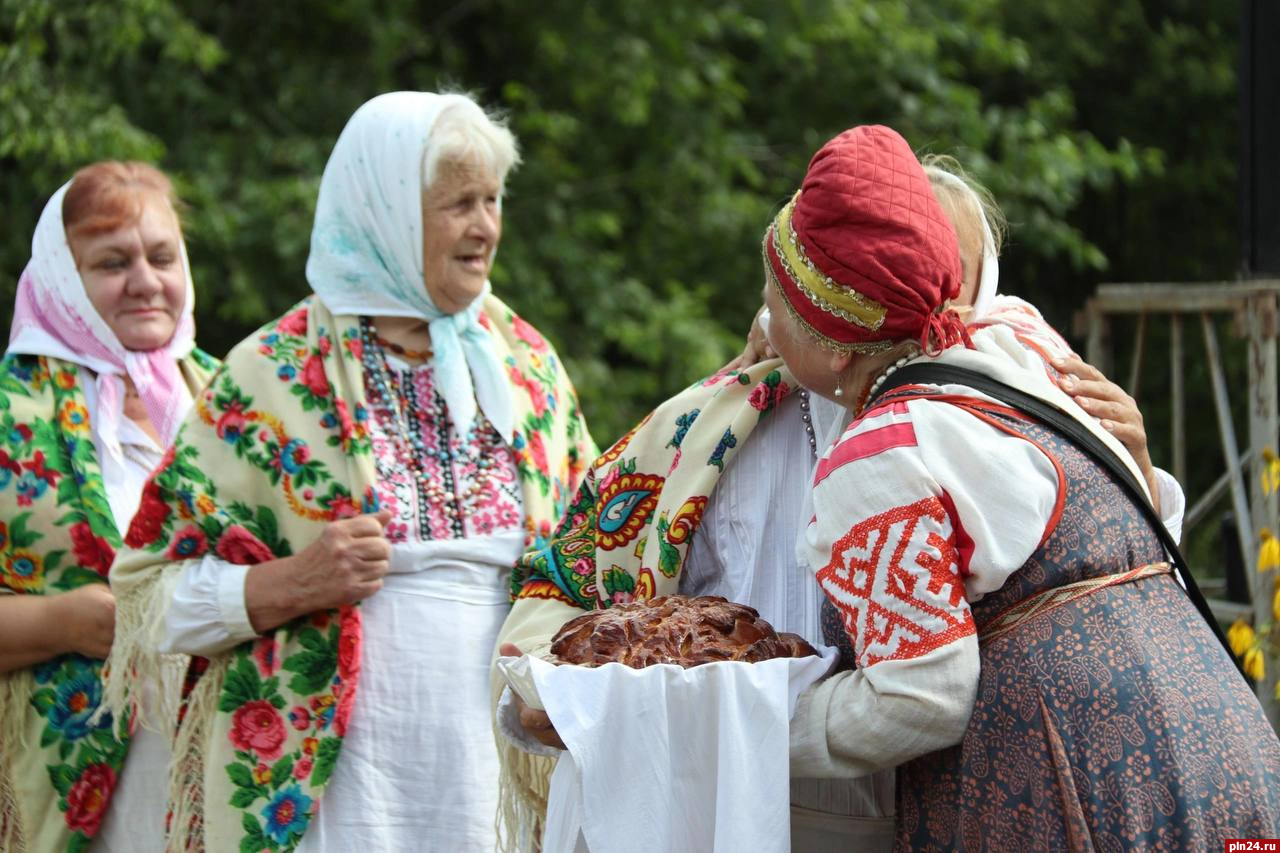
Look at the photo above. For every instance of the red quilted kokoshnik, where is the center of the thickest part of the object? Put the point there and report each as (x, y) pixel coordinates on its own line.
(866, 225)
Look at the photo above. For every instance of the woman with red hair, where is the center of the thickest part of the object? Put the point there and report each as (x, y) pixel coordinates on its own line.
(1018, 644)
(100, 371)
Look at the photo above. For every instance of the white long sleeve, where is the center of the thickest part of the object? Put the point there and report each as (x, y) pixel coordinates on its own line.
(1173, 503)
(207, 612)
(919, 509)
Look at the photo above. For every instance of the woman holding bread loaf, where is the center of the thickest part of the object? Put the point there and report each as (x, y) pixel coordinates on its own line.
(741, 545)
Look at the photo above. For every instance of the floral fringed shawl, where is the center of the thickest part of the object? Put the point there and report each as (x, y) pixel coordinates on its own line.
(58, 762)
(276, 448)
(625, 537)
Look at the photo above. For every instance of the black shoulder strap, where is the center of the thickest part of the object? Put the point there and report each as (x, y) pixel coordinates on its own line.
(1052, 416)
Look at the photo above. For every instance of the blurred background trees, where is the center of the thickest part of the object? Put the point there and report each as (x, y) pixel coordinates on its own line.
(658, 138)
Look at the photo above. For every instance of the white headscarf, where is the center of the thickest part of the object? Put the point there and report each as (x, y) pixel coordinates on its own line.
(988, 282)
(53, 317)
(366, 248)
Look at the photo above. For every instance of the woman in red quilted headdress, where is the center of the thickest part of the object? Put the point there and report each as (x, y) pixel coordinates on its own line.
(1017, 640)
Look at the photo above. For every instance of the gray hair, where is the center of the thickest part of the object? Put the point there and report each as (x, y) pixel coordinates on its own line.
(966, 202)
(465, 133)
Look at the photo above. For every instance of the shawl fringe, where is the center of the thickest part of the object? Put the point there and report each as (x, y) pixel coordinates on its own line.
(15, 690)
(186, 768)
(524, 785)
(140, 616)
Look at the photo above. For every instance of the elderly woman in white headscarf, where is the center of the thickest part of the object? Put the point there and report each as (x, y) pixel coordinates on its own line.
(100, 370)
(333, 533)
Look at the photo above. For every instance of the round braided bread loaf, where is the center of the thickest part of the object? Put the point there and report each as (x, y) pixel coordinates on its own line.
(674, 629)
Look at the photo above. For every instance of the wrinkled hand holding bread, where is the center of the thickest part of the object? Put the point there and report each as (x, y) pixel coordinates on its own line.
(674, 629)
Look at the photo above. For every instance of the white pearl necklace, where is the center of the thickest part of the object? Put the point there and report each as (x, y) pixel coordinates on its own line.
(884, 374)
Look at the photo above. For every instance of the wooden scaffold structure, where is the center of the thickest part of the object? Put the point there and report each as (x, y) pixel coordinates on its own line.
(1251, 306)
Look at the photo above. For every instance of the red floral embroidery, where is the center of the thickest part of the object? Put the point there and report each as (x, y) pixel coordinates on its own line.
(266, 656)
(346, 426)
(7, 462)
(38, 468)
(346, 701)
(761, 397)
(293, 324)
(539, 452)
(528, 334)
(300, 718)
(313, 376)
(188, 543)
(349, 633)
(344, 507)
(231, 424)
(349, 643)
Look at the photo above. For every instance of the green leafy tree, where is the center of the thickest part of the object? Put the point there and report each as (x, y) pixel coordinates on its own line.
(658, 138)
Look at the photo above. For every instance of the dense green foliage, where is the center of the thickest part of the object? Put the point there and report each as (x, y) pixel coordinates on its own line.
(658, 137)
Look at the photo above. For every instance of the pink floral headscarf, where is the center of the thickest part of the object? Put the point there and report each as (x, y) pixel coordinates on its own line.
(54, 317)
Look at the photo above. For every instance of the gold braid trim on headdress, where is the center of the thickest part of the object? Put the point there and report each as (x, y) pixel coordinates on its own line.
(867, 348)
(824, 293)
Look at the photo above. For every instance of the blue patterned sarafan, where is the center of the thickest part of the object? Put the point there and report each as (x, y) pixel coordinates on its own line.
(1114, 722)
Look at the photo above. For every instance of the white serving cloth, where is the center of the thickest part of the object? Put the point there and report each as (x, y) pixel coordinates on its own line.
(639, 742)
(744, 550)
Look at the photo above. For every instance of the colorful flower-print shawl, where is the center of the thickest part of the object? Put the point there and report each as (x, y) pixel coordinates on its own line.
(626, 534)
(283, 425)
(58, 764)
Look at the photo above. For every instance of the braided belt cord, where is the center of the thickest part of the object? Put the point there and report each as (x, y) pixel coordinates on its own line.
(1029, 608)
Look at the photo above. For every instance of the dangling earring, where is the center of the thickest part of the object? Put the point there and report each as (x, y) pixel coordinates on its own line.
(839, 391)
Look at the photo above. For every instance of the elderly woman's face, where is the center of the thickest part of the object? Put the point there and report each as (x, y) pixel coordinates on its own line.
(807, 360)
(461, 226)
(134, 277)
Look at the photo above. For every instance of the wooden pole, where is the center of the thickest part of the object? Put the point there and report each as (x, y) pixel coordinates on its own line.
(1227, 434)
(1098, 344)
(1260, 323)
(1135, 363)
(1179, 401)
